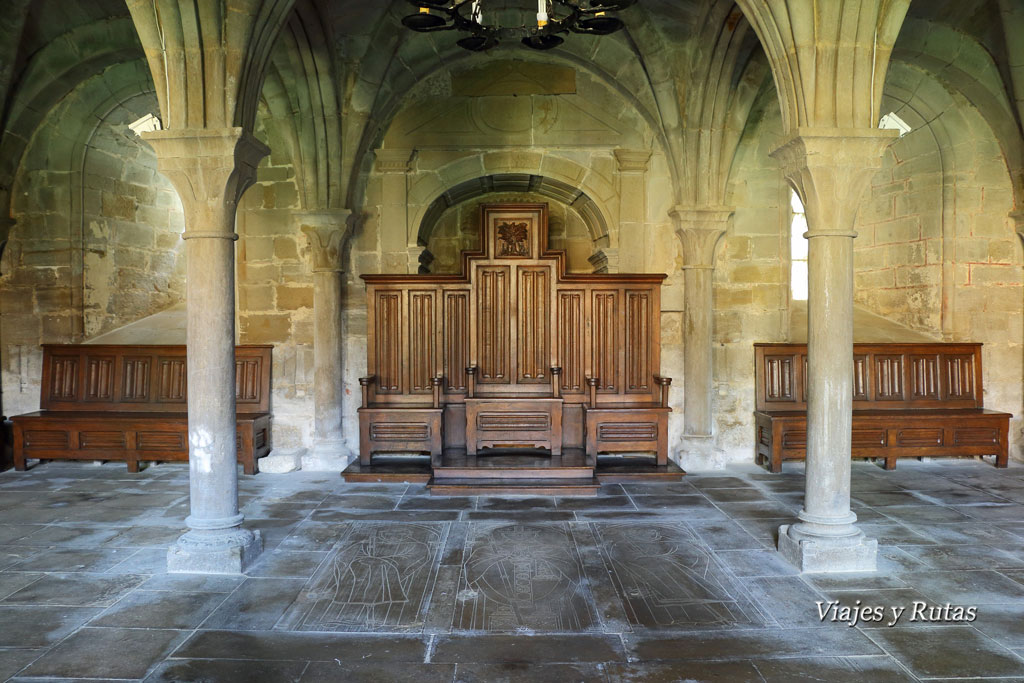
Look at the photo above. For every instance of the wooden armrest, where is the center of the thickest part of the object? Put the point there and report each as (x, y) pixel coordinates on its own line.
(592, 383)
(471, 381)
(364, 384)
(436, 383)
(556, 381)
(664, 383)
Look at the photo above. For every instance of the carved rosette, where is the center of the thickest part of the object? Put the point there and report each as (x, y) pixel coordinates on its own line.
(513, 239)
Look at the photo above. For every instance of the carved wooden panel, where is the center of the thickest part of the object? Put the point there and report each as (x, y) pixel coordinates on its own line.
(889, 378)
(109, 439)
(521, 421)
(512, 239)
(778, 378)
(868, 437)
(99, 378)
(627, 431)
(63, 378)
(975, 436)
(605, 317)
(959, 376)
(639, 373)
(421, 341)
(47, 438)
(247, 381)
(533, 325)
(173, 380)
(571, 342)
(919, 437)
(388, 342)
(135, 376)
(493, 321)
(860, 377)
(456, 340)
(160, 441)
(924, 377)
(794, 439)
(399, 431)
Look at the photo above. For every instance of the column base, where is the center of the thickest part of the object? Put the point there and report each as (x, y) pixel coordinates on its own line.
(220, 551)
(327, 455)
(818, 553)
(282, 461)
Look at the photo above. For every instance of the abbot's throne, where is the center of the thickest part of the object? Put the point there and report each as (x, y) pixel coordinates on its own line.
(514, 356)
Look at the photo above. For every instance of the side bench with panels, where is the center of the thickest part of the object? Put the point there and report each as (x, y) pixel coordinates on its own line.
(106, 402)
(909, 400)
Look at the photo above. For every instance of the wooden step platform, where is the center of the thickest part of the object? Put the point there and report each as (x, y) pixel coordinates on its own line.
(515, 464)
(514, 487)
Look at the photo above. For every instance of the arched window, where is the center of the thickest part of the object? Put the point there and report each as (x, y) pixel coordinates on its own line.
(797, 249)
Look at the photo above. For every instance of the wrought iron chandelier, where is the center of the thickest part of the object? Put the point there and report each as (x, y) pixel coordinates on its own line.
(554, 17)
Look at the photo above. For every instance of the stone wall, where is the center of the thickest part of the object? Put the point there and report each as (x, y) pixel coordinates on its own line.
(97, 242)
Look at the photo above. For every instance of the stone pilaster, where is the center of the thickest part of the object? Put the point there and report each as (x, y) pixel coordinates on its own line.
(605, 260)
(211, 169)
(327, 232)
(393, 165)
(632, 168)
(699, 229)
(830, 169)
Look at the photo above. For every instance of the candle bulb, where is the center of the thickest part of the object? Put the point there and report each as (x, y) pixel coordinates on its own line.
(476, 14)
(542, 13)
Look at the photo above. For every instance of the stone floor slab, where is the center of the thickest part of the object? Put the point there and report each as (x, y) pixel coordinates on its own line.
(956, 651)
(107, 653)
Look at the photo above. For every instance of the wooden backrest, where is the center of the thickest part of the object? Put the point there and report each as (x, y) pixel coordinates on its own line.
(885, 376)
(141, 379)
(514, 314)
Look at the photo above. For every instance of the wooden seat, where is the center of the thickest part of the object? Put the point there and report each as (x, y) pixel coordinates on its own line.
(497, 357)
(910, 400)
(129, 403)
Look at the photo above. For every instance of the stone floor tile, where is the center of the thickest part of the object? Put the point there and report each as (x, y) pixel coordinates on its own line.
(876, 669)
(39, 626)
(979, 587)
(145, 536)
(313, 647)
(160, 609)
(853, 581)
(227, 671)
(787, 599)
(13, 555)
(947, 651)
(296, 564)
(357, 501)
(11, 582)
(759, 510)
(923, 514)
(514, 504)
(12, 661)
(377, 672)
(993, 513)
(107, 653)
(10, 533)
(894, 534)
(674, 672)
(963, 496)
(598, 503)
(518, 672)
(1003, 623)
(736, 495)
(436, 503)
(887, 498)
(74, 559)
(75, 590)
(964, 557)
(536, 649)
(661, 489)
(258, 604)
(694, 506)
(895, 560)
(519, 516)
(746, 644)
(724, 535)
(702, 482)
(337, 516)
(144, 561)
(197, 583)
(752, 563)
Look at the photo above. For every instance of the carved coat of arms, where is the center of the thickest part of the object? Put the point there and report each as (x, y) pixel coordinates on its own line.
(512, 239)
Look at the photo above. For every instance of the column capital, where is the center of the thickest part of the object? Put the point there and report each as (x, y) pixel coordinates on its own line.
(327, 232)
(830, 168)
(632, 160)
(699, 229)
(393, 160)
(210, 169)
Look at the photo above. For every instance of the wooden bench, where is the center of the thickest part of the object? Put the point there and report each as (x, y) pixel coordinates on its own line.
(909, 400)
(129, 403)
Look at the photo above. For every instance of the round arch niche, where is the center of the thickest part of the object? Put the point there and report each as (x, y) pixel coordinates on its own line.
(565, 231)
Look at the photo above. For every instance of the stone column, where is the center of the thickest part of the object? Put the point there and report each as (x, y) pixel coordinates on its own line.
(829, 169)
(210, 170)
(699, 230)
(327, 232)
(632, 167)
